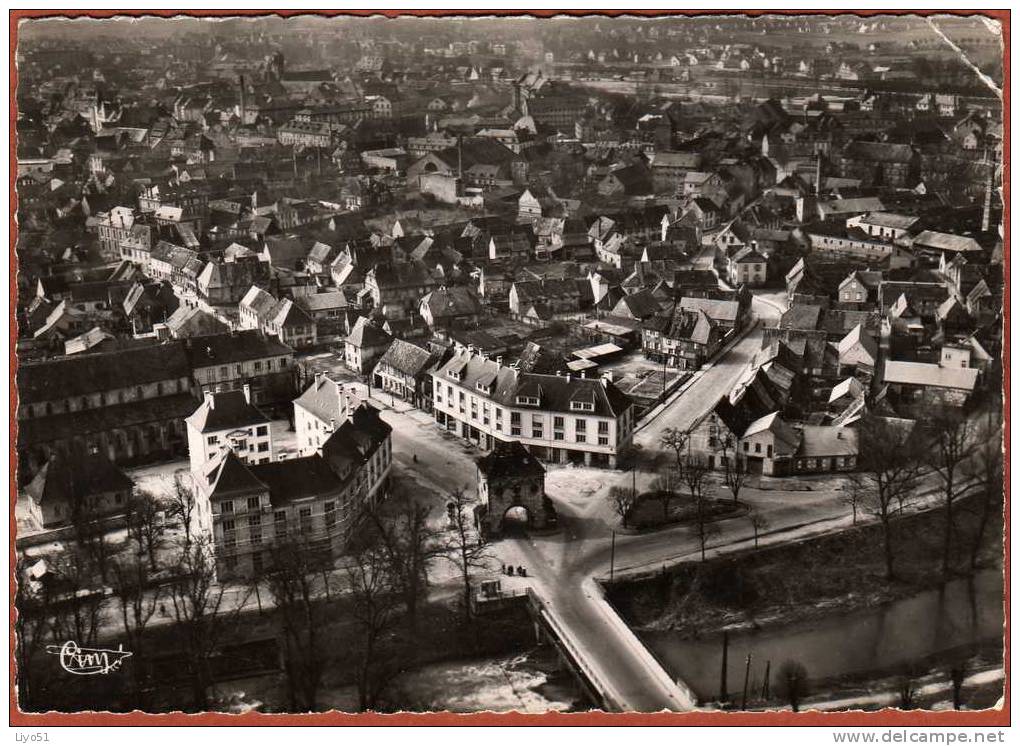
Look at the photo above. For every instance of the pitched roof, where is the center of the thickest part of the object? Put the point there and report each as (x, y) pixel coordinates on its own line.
(86, 374)
(509, 458)
(408, 358)
(325, 399)
(930, 374)
(69, 477)
(233, 347)
(225, 410)
(366, 334)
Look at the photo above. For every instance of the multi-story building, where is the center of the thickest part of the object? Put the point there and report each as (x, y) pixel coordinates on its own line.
(228, 420)
(224, 362)
(314, 501)
(685, 339)
(282, 318)
(396, 288)
(113, 227)
(559, 418)
(128, 404)
(318, 411)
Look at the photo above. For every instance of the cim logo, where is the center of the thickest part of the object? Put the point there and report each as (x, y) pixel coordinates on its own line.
(88, 661)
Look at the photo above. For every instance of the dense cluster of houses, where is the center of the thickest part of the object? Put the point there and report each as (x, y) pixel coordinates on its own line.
(474, 234)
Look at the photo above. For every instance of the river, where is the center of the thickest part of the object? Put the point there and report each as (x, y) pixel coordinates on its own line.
(963, 612)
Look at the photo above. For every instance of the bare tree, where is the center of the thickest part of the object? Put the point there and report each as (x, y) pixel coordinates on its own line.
(79, 616)
(181, 505)
(289, 578)
(138, 599)
(888, 473)
(759, 523)
(952, 444)
(986, 472)
(410, 546)
(145, 525)
(375, 601)
(90, 533)
(855, 494)
(792, 685)
(694, 472)
(33, 604)
(200, 613)
(464, 547)
(735, 471)
(666, 485)
(622, 501)
(675, 440)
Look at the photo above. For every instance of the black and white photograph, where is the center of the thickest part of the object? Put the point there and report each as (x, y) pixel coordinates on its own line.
(534, 367)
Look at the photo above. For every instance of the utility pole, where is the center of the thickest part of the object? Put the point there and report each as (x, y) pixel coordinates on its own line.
(747, 675)
(765, 684)
(725, 663)
(612, 556)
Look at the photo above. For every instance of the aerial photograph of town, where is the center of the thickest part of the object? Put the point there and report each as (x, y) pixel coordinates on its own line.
(508, 364)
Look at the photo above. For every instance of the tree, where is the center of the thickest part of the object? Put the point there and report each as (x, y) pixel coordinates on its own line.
(985, 470)
(888, 472)
(90, 533)
(793, 683)
(621, 500)
(676, 440)
(200, 613)
(145, 525)
(375, 599)
(182, 505)
(952, 444)
(289, 578)
(735, 471)
(759, 523)
(854, 497)
(79, 616)
(410, 546)
(138, 603)
(34, 605)
(464, 547)
(694, 472)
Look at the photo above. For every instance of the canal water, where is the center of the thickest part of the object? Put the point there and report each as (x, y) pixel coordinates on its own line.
(883, 639)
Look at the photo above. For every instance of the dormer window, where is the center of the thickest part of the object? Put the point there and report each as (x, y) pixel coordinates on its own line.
(455, 374)
(528, 401)
(482, 386)
(582, 406)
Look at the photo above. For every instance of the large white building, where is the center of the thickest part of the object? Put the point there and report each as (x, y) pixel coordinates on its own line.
(228, 421)
(559, 418)
(319, 411)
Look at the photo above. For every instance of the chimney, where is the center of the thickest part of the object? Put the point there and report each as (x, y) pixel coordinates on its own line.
(247, 392)
(332, 424)
(210, 399)
(499, 360)
(319, 376)
(818, 176)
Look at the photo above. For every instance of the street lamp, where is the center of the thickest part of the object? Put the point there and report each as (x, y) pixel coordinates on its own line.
(612, 555)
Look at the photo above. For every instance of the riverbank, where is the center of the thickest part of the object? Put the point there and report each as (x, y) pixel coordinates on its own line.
(803, 580)
(825, 603)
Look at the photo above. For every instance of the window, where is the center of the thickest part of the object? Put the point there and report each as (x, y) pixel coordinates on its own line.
(227, 506)
(580, 425)
(263, 447)
(515, 430)
(253, 503)
(258, 366)
(237, 369)
(582, 437)
(280, 520)
(747, 447)
(255, 528)
(558, 422)
(603, 440)
(603, 427)
(558, 435)
(262, 430)
(330, 514)
(223, 371)
(582, 406)
(305, 519)
(757, 447)
(212, 440)
(536, 432)
(229, 537)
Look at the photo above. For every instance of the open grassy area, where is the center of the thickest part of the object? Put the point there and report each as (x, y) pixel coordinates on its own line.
(793, 582)
(649, 511)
